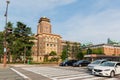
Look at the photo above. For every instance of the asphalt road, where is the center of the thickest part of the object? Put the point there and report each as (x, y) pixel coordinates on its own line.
(15, 72)
(48, 72)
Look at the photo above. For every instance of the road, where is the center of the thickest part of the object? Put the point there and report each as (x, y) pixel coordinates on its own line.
(49, 73)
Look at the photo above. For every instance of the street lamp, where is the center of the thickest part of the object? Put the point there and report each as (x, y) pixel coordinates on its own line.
(5, 43)
(6, 11)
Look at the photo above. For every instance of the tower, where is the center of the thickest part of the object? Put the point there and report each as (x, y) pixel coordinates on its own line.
(44, 26)
(46, 40)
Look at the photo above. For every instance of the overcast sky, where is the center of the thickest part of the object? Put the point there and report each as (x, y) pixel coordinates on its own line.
(75, 20)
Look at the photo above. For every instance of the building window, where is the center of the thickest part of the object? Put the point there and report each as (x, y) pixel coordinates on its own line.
(51, 45)
(47, 44)
(40, 58)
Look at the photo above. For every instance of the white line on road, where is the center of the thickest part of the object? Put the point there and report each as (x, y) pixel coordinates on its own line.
(24, 76)
(78, 77)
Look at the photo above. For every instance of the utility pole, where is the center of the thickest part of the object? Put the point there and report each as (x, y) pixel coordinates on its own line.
(5, 43)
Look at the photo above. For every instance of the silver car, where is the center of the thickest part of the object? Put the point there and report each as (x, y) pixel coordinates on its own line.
(95, 63)
(109, 68)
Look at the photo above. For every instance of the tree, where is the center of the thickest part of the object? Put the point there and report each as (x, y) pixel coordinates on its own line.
(89, 51)
(9, 38)
(54, 57)
(97, 51)
(75, 49)
(64, 55)
(19, 41)
(79, 55)
(52, 53)
(67, 48)
(1, 45)
(22, 43)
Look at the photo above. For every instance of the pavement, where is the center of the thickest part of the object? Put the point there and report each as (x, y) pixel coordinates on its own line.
(8, 73)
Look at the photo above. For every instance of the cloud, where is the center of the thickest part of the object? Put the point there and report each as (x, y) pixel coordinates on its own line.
(29, 11)
(92, 21)
(39, 5)
(92, 28)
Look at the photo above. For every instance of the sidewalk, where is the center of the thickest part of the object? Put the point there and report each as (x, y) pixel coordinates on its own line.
(2, 66)
(30, 65)
(7, 74)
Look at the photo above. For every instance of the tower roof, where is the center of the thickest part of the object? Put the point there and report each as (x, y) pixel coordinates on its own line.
(44, 19)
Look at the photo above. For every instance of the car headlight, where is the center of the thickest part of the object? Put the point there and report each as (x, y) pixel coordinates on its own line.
(107, 70)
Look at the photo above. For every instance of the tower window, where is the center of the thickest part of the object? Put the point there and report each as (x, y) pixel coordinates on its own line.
(51, 45)
(47, 44)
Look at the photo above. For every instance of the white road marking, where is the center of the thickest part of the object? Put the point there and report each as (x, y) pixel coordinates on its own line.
(65, 74)
(94, 78)
(112, 79)
(77, 77)
(74, 75)
(24, 76)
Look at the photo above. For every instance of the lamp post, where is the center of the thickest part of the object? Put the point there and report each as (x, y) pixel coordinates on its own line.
(5, 43)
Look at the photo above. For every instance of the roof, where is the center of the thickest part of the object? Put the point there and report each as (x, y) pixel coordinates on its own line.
(113, 61)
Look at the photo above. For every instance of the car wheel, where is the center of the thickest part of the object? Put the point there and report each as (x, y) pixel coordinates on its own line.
(80, 65)
(66, 64)
(112, 74)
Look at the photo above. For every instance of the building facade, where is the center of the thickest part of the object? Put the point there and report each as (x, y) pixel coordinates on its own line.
(46, 41)
(107, 49)
(73, 48)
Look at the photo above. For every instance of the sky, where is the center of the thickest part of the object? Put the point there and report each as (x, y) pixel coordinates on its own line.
(82, 21)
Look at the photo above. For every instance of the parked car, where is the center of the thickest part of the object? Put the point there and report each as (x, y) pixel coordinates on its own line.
(95, 63)
(67, 63)
(109, 68)
(81, 63)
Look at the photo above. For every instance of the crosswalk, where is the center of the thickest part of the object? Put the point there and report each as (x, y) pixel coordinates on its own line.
(66, 73)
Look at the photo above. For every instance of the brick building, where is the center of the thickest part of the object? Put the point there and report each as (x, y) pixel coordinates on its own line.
(107, 49)
(46, 41)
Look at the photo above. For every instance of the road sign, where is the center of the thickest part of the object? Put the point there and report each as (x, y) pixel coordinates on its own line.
(5, 50)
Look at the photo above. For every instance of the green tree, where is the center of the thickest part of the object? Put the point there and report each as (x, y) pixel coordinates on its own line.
(67, 48)
(1, 45)
(89, 51)
(52, 53)
(79, 55)
(64, 55)
(97, 51)
(9, 38)
(75, 49)
(22, 43)
(54, 57)
(19, 41)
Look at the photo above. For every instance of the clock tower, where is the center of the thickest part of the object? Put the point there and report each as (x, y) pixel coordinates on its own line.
(44, 26)
(46, 41)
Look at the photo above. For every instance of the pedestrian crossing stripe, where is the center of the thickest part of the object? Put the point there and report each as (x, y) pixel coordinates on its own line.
(74, 75)
(69, 78)
(65, 74)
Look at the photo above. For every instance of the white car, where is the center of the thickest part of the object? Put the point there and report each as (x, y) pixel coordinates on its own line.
(95, 63)
(109, 68)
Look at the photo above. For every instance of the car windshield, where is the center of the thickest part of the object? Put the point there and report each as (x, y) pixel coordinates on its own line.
(110, 64)
(96, 62)
(79, 61)
(65, 61)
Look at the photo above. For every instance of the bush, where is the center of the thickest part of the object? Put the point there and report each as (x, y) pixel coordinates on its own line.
(54, 59)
